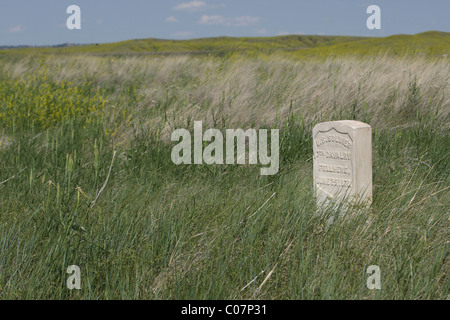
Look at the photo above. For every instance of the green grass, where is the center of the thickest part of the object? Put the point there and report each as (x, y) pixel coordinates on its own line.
(161, 231)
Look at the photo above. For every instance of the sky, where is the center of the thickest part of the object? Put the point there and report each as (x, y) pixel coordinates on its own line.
(43, 22)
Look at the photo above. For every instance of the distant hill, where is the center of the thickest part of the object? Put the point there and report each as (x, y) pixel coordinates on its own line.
(62, 45)
(433, 43)
(13, 47)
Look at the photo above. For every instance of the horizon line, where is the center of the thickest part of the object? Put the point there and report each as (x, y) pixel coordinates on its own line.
(6, 46)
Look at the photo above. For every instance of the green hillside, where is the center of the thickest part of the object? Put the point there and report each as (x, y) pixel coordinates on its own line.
(206, 45)
(430, 43)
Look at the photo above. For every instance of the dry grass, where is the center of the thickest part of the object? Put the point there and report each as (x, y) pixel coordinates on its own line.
(388, 90)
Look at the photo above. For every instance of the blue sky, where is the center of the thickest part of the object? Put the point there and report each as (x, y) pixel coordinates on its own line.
(43, 22)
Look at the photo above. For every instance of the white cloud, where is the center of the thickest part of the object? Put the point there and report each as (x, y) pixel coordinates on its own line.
(196, 5)
(171, 19)
(182, 34)
(15, 29)
(286, 33)
(221, 20)
(206, 19)
(191, 6)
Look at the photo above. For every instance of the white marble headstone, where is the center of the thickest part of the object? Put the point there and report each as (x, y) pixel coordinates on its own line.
(342, 162)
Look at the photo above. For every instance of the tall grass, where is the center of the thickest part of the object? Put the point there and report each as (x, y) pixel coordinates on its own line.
(160, 231)
(386, 91)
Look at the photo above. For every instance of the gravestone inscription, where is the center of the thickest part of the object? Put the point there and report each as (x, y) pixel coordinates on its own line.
(342, 162)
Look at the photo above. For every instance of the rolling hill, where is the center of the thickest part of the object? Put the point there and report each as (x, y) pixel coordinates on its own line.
(432, 43)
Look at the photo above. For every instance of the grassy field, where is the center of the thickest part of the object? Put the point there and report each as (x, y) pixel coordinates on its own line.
(86, 176)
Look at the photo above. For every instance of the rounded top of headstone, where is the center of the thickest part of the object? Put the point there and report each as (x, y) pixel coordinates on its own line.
(351, 124)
